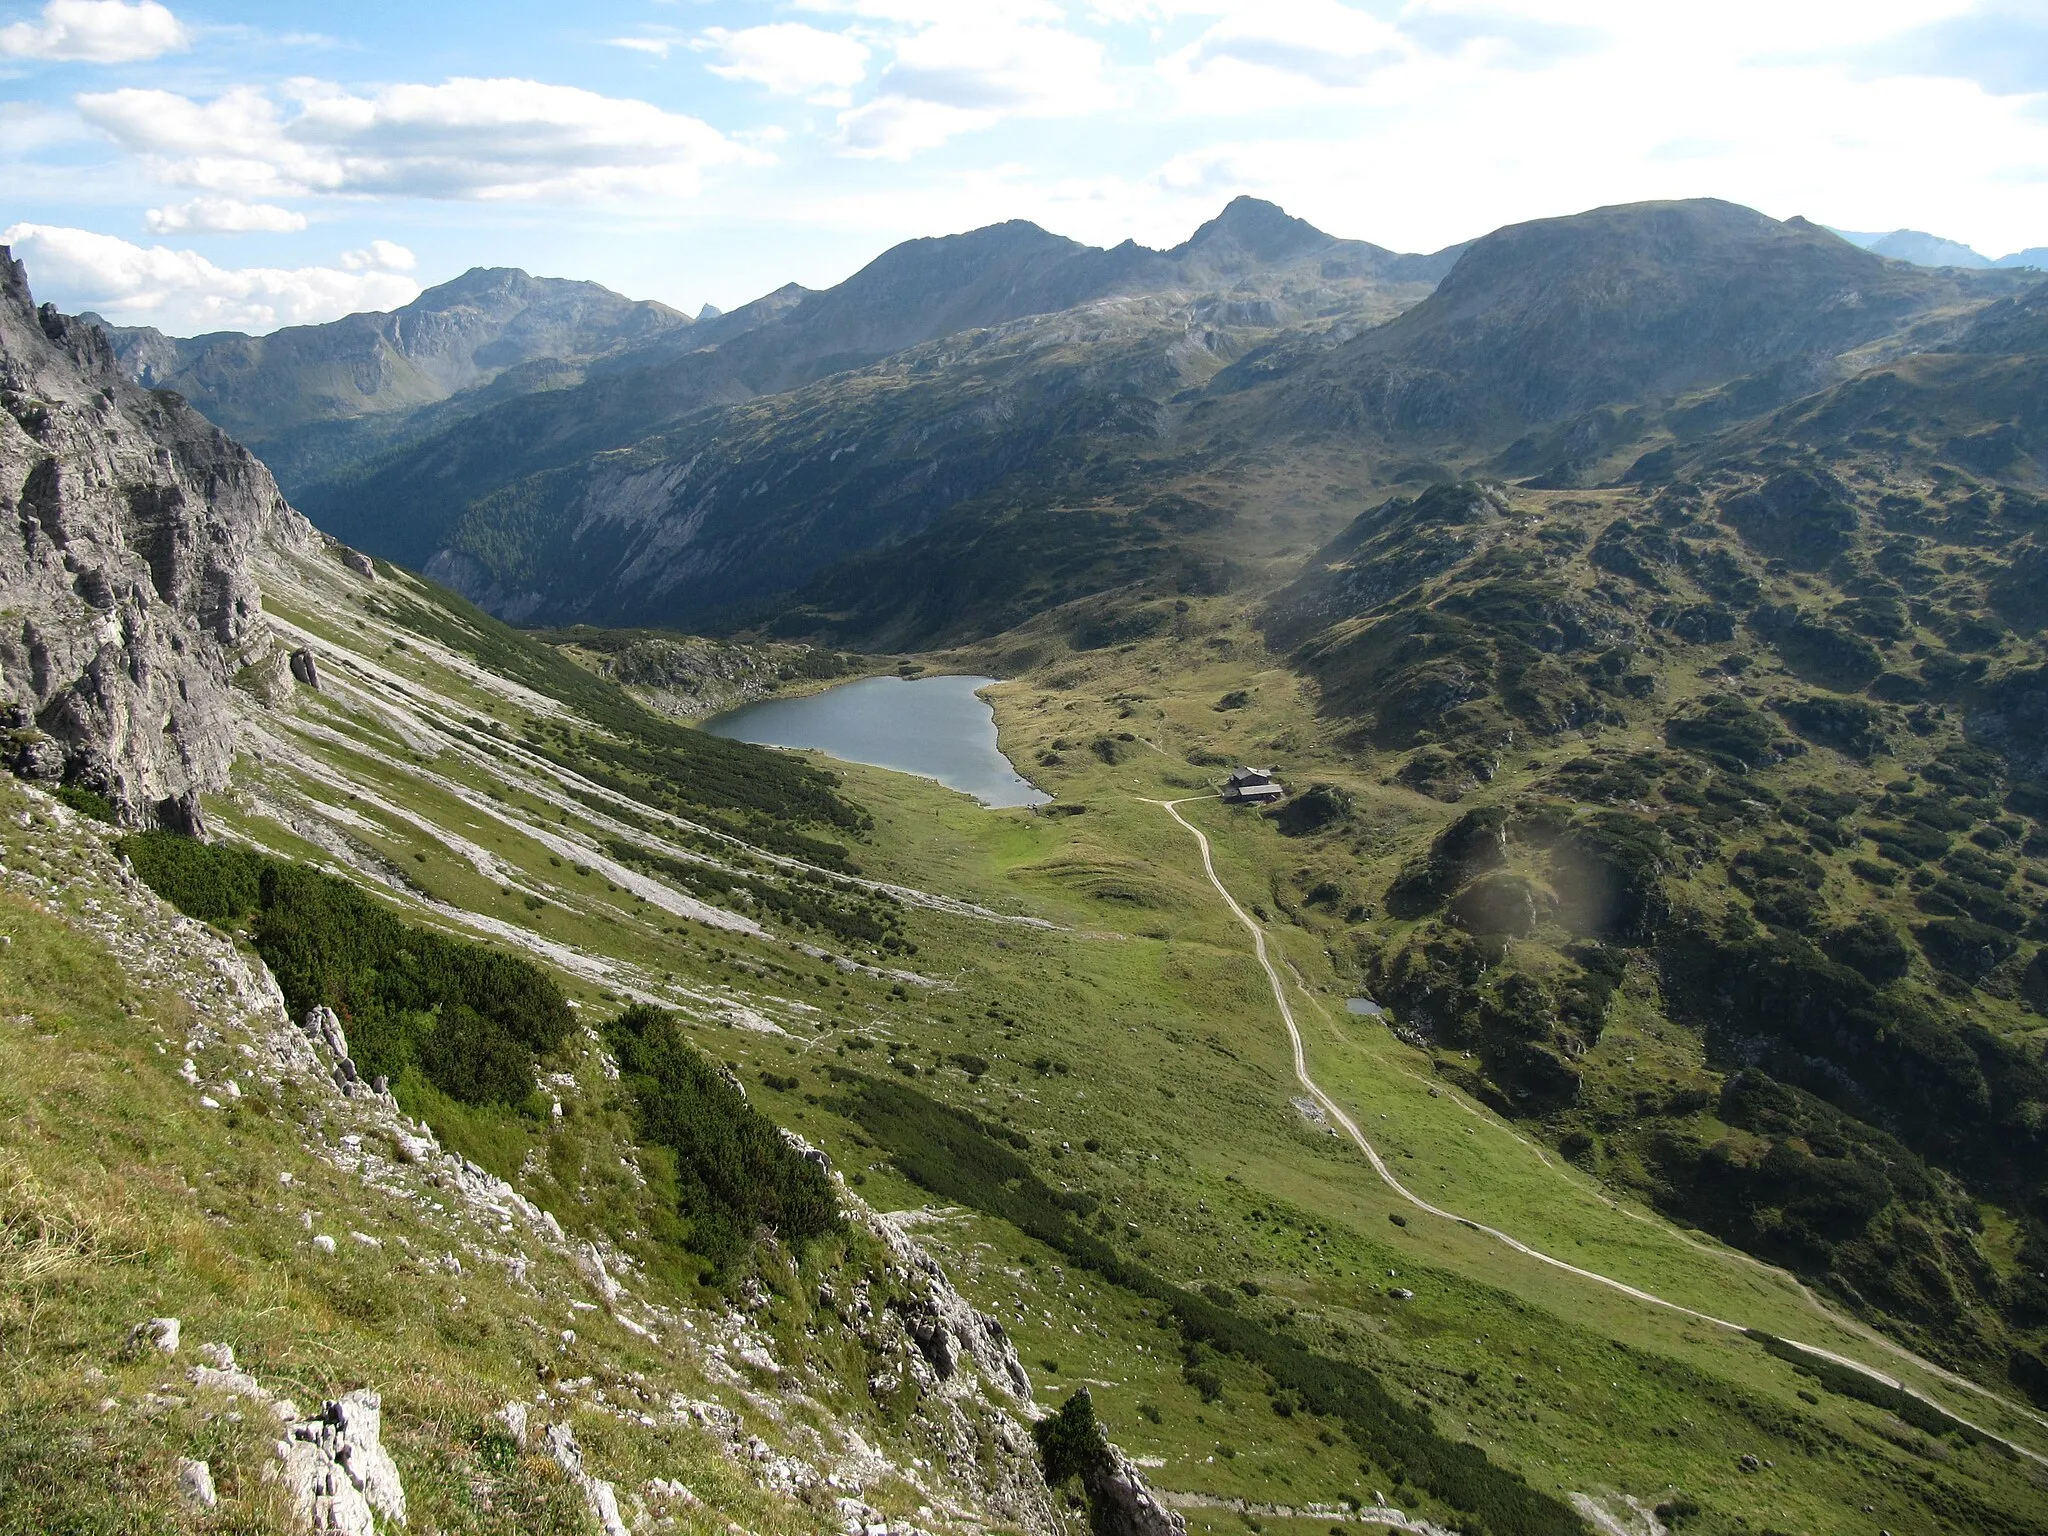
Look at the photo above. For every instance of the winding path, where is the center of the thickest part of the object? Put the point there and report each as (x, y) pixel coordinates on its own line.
(1337, 1114)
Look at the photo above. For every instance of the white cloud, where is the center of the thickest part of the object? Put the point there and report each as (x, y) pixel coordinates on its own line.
(1270, 55)
(380, 255)
(463, 139)
(1444, 146)
(183, 292)
(95, 32)
(896, 127)
(222, 216)
(660, 47)
(961, 69)
(790, 59)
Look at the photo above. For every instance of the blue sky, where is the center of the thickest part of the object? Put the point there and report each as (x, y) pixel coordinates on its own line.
(213, 164)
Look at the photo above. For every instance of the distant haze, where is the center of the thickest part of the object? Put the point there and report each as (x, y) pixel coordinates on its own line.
(1925, 250)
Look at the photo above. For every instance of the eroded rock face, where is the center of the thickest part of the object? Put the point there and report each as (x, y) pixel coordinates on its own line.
(948, 1331)
(127, 529)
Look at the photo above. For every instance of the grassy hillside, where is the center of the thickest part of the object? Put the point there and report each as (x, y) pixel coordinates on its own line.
(1061, 1001)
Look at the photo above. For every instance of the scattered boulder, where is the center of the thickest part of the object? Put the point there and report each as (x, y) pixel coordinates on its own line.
(221, 1374)
(304, 669)
(513, 1417)
(159, 1333)
(323, 1025)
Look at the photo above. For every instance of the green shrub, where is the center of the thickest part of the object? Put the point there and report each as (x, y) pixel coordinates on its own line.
(735, 1171)
(1871, 947)
(1848, 725)
(213, 882)
(469, 1058)
(1963, 947)
(1729, 734)
(1955, 1092)
(88, 802)
(1071, 1442)
(1317, 807)
(470, 1018)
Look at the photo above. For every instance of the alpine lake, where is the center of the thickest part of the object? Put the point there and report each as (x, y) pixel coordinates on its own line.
(937, 727)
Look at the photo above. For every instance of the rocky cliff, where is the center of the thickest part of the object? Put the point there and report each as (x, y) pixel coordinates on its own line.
(128, 602)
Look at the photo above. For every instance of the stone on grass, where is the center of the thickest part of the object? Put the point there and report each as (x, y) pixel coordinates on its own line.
(159, 1333)
(513, 1417)
(195, 1484)
(598, 1495)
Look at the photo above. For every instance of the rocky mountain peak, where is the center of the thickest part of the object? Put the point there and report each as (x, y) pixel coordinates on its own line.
(1543, 320)
(127, 581)
(454, 336)
(1256, 229)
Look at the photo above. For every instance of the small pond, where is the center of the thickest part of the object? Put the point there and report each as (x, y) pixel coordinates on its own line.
(936, 727)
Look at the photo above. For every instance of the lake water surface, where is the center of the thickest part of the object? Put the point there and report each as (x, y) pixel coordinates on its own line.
(937, 727)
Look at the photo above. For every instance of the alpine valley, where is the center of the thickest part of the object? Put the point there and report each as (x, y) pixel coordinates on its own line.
(442, 1087)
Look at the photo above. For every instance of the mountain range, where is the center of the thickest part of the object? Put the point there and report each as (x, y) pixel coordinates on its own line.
(587, 460)
(638, 498)
(1927, 250)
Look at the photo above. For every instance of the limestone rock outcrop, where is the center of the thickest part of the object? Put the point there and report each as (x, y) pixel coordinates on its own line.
(128, 526)
(1129, 1505)
(337, 1471)
(599, 1496)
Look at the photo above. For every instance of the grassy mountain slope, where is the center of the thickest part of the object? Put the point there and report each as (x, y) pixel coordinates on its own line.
(1619, 307)
(736, 506)
(1802, 696)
